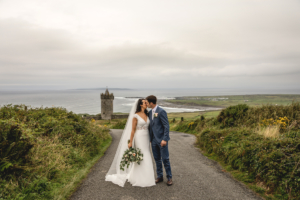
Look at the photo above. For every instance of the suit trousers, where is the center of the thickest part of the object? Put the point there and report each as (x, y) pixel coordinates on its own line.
(161, 155)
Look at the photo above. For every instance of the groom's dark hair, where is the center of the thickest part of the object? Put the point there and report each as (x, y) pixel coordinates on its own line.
(152, 99)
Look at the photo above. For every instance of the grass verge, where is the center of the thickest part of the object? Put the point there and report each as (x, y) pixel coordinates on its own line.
(70, 187)
(240, 176)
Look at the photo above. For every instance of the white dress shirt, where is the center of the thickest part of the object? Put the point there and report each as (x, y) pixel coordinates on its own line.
(153, 111)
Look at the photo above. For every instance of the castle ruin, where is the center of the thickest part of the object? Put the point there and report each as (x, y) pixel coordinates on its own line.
(107, 105)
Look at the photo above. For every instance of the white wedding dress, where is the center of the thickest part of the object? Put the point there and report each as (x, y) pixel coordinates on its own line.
(142, 175)
(138, 175)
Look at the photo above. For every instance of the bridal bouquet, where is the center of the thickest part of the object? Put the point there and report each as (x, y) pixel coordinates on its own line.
(131, 155)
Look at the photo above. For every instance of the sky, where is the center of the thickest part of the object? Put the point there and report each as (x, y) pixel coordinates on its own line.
(65, 44)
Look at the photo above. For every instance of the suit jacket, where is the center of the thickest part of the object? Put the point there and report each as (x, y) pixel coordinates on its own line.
(159, 126)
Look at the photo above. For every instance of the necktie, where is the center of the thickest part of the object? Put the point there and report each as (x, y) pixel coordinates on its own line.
(153, 111)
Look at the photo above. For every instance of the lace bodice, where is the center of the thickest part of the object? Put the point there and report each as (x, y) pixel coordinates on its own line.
(141, 124)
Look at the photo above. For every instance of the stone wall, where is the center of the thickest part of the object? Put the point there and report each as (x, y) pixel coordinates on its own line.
(98, 117)
(119, 116)
(95, 117)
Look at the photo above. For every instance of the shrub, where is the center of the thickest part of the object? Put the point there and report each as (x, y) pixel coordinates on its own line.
(229, 116)
(192, 125)
(263, 142)
(276, 163)
(281, 122)
(41, 149)
(202, 118)
(14, 146)
(242, 115)
(119, 125)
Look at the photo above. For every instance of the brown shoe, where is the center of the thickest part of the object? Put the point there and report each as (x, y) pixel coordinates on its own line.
(170, 182)
(159, 180)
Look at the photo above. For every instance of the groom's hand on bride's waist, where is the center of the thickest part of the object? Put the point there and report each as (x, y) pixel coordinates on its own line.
(163, 143)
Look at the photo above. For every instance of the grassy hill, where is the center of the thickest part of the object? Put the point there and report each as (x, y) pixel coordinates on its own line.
(46, 152)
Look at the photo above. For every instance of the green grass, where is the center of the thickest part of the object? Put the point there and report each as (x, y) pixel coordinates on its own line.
(193, 115)
(120, 123)
(120, 113)
(251, 100)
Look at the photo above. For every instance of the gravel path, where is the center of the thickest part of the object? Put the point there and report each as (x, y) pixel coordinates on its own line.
(194, 177)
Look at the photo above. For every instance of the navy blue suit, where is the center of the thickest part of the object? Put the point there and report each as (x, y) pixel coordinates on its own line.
(159, 130)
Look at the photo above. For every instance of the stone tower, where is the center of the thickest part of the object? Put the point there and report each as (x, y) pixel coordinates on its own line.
(107, 105)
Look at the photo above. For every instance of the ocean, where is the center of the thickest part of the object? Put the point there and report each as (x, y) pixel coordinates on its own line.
(88, 100)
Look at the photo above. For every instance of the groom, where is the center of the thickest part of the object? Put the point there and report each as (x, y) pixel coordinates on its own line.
(159, 137)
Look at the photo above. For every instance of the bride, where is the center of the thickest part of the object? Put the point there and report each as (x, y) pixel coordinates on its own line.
(136, 130)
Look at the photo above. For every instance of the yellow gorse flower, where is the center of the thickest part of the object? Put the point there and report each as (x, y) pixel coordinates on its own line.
(190, 125)
(281, 121)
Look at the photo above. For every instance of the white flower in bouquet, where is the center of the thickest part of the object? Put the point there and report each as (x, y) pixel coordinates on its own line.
(131, 155)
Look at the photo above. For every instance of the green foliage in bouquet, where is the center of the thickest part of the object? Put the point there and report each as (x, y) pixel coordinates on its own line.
(131, 155)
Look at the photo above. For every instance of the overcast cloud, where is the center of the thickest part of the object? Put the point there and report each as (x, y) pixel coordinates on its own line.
(151, 44)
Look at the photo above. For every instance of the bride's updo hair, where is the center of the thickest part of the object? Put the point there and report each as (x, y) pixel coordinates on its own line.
(139, 108)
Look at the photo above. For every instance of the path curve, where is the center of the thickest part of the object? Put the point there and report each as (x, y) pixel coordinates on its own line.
(194, 177)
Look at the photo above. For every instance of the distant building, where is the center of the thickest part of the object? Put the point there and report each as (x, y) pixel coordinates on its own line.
(107, 105)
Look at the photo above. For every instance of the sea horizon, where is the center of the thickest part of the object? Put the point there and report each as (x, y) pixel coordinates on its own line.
(88, 100)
